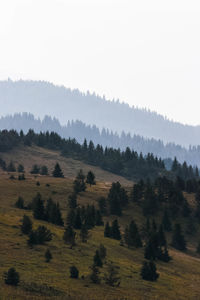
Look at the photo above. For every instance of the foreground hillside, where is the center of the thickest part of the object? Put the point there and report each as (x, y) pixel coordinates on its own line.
(179, 279)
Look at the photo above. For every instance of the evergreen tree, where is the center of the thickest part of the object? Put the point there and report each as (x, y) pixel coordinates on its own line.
(90, 178)
(11, 167)
(71, 218)
(20, 203)
(77, 221)
(191, 228)
(35, 169)
(114, 199)
(69, 236)
(161, 237)
(57, 172)
(115, 230)
(94, 276)
(186, 209)
(149, 272)
(12, 277)
(198, 248)
(102, 251)
(84, 233)
(107, 230)
(48, 255)
(26, 226)
(79, 182)
(102, 205)
(20, 168)
(39, 236)
(150, 205)
(112, 276)
(97, 259)
(74, 272)
(72, 200)
(90, 216)
(137, 192)
(38, 207)
(166, 221)
(178, 240)
(99, 220)
(44, 170)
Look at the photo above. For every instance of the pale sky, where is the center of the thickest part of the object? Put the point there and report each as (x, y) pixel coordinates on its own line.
(144, 52)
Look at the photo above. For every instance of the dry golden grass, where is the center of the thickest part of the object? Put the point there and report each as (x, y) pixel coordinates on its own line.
(28, 156)
(178, 280)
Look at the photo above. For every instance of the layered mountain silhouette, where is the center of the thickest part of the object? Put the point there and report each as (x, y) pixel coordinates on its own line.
(43, 98)
(104, 137)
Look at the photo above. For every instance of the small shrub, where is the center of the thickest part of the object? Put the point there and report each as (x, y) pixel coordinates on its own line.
(11, 277)
(74, 272)
(48, 255)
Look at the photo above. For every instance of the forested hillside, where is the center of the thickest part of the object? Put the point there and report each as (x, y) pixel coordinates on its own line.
(127, 163)
(43, 98)
(104, 137)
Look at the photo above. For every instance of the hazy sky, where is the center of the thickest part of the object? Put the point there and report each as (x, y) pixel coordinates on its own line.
(144, 52)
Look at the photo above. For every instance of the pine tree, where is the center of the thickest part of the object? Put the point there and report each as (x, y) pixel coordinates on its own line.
(84, 233)
(102, 251)
(44, 170)
(39, 236)
(69, 236)
(71, 218)
(198, 248)
(90, 178)
(149, 272)
(48, 255)
(115, 230)
(38, 207)
(79, 182)
(114, 199)
(57, 172)
(107, 230)
(102, 205)
(150, 203)
(97, 259)
(98, 217)
(12, 277)
(20, 168)
(191, 228)
(43, 235)
(178, 240)
(94, 276)
(166, 221)
(77, 221)
(161, 237)
(134, 235)
(112, 276)
(35, 169)
(72, 200)
(11, 167)
(20, 203)
(26, 226)
(74, 272)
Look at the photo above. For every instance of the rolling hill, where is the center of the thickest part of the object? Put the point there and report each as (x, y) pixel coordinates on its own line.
(42, 98)
(179, 279)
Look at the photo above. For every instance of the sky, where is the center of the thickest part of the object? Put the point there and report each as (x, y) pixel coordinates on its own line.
(145, 53)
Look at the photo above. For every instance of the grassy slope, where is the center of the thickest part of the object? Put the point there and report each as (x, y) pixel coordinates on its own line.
(35, 155)
(179, 279)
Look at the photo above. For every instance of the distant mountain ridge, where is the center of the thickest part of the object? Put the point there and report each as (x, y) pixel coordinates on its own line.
(104, 137)
(42, 98)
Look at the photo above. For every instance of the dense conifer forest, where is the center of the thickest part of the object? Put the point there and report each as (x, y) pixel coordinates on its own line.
(126, 163)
